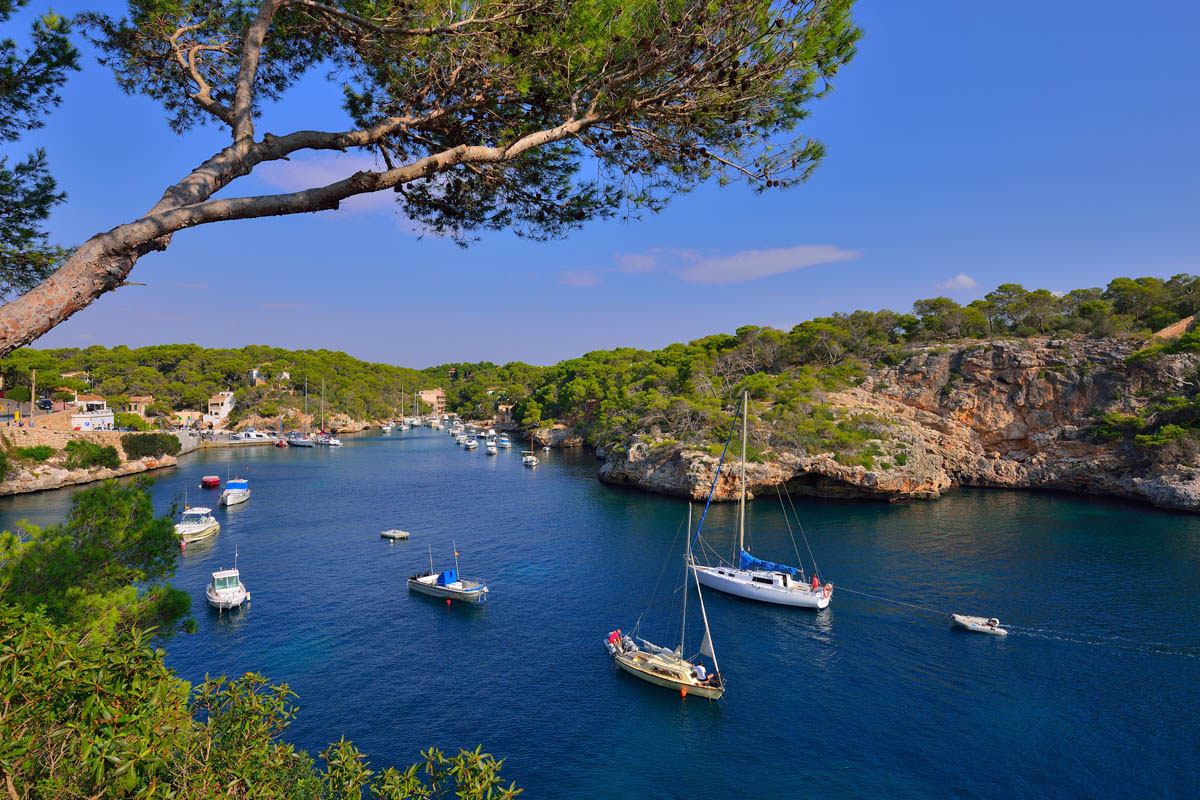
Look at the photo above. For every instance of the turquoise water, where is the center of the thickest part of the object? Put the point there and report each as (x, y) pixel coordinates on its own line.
(1094, 692)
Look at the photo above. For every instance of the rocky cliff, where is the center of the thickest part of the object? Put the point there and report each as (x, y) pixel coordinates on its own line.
(1016, 414)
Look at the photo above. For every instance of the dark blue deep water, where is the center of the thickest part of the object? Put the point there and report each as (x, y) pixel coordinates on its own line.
(1095, 691)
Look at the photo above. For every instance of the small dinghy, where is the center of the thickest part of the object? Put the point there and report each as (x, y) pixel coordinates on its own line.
(978, 624)
(394, 534)
(210, 481)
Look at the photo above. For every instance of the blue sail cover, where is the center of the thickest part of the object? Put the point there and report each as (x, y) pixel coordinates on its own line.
(747, 561)
(449, 576)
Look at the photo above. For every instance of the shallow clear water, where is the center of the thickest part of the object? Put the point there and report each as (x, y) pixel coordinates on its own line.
(1094, 691)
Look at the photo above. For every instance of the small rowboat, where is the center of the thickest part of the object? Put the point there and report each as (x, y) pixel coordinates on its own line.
(978, 624)
(210, 481)
(394, 534)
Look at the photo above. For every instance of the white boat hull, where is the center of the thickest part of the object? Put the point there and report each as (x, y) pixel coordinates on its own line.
(465, 591)
(740, 583)
(233, 498)
(661, 672)
(394, 534)
(190, 534)
(224, 601)
(978, 624)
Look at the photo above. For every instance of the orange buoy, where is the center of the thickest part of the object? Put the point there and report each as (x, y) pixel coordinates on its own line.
(682, 691)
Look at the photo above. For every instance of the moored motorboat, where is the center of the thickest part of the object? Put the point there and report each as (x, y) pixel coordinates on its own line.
(528, 458)
(471, 444)
(237, 490)
(196, 524)
(491, 449)
(394, 534)
(978, 624)
(504, 441)
(226, 591)
(448, 584)
(210, 481)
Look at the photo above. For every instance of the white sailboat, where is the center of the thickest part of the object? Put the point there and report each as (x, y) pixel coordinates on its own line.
(670, 668)
(753, 578)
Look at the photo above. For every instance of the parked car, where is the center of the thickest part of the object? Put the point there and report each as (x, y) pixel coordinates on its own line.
(45, 404)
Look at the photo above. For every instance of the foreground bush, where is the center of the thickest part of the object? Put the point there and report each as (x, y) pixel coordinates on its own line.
(39, 452)
(82, 453)
(139, 445)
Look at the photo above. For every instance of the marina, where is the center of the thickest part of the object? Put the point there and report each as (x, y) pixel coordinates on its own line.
(331, 617)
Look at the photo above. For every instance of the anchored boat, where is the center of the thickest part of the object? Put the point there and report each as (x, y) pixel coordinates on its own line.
(394, 534)
(753, 578)
(448, 584)
(237, 490)
(196, 524)
(226, 591)
(669, 668)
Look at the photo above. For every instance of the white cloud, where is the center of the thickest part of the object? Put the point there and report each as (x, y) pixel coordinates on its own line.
(751, 265)
(634, 263)
(578, 277)
(959, 283)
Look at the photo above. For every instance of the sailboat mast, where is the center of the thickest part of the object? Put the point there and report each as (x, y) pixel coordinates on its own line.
(742, 505)
(454, 544)
(430, 559)
(306, 422)
(322, 403)
(687, 561)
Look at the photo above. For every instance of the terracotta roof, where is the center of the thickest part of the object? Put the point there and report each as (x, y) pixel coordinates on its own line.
(88, 398)
(142, 398)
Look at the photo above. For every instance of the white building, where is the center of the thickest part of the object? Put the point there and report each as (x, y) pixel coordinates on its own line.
(99, 420)
(219, 407)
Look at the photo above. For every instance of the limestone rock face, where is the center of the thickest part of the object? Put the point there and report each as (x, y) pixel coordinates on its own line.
(557, 436)
(1001, 414)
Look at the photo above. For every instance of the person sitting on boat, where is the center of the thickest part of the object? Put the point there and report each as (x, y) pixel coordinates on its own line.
(701, 674)
(816, 582)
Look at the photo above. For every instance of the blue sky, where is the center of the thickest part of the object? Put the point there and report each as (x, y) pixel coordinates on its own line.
(969, 144)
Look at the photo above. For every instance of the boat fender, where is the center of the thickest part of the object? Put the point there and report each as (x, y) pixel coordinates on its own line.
(827, 591)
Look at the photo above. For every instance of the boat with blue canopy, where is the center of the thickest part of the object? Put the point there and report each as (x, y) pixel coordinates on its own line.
(237, 490)
(448, 583)
(756, 578)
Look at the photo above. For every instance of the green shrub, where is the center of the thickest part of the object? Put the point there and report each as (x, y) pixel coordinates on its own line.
(36, 453)
(123, 420)
(139, 445)
(901, 459)
(18, 393)
(3, 465)
(82, 454)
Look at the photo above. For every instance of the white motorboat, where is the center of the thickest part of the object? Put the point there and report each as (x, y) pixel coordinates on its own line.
(546, 448)
(671, 668)
(196, 525)
(250, 435)
(394, 534)
(504, 441)
(237, 490)
(448, 584)
(529, 459)
(329, 440)
(460, 439)
(296, 440)
(386, 427)
(491, 449)
(226, 591)
(978, 624)
(471, 444)
(756, 579)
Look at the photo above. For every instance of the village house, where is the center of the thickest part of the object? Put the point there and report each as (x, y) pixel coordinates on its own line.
(219, 407)
(434, 398)
(139, 404)
(90, 402)
(254, 377)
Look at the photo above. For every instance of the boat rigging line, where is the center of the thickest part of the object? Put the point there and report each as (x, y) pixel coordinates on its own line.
(896, 602)
(637, 625)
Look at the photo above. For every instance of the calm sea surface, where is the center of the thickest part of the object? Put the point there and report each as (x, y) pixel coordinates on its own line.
(1095, 691)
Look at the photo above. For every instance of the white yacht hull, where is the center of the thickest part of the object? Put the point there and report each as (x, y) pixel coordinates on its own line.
(233, 498)
(197, 533)
(224, 601)
(740, 583)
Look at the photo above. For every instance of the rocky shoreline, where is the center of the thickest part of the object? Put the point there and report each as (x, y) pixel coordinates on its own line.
(44, 477)
(1005, 414)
